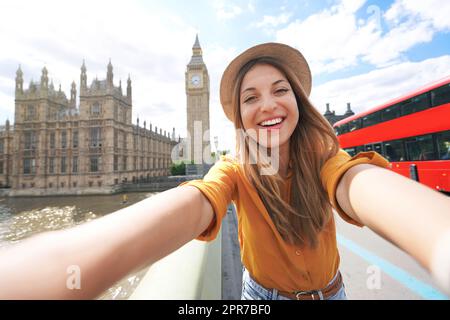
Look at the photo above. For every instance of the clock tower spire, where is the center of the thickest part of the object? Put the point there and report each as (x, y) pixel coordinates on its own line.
(197, 95)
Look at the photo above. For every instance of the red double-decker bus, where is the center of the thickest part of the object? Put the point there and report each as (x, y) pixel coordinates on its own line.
(412, 132)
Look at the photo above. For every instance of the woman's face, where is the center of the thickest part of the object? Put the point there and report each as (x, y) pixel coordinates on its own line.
(268, 106)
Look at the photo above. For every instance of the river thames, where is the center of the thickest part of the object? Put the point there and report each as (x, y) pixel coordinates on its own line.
(21, 218)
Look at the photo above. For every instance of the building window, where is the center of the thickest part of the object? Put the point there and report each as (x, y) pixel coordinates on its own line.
(116, 164)
(95, 137)
(99, 183)
(95, 163)
(29, 166)
(30, 140)
(2, 146)
(51, 165)
(63, 164)
(115, 139)
(135, 163)
(52, 140)
(90, 183)
(124, 141)
(30, 114)
(75, 139)
(63, 139)
(124, 163)
(135, 142)
(1, 167)
(74, 184)
(62, 184)
(116, 107)
(75, 164)
(50, 185)
(95, 109)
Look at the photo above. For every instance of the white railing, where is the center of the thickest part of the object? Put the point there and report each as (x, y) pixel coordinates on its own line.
(193, 272)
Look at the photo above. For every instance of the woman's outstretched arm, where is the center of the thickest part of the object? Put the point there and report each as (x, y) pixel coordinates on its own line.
(412, 216)
(105, 250)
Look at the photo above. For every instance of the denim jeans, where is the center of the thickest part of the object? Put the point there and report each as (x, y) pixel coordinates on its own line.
(252, 290)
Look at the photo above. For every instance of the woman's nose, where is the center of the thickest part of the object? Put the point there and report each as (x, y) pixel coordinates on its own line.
(268, 104)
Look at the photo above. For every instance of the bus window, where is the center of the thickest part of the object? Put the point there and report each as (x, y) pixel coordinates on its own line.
(371, 119)
(443, 142)
(350, 151)
(420, 148)
(440, 95)
(377, 148)
(415, 104)
(390, 113)
(394, 150)
(354, 125)
(359, 149)
(368, 147)
(343, 128)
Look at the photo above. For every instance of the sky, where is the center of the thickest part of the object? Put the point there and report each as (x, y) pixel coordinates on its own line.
(361, 52)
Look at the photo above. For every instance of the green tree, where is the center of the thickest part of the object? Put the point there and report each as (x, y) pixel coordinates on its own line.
(178, 169)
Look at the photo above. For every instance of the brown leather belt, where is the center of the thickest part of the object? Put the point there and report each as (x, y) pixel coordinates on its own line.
(328, 292)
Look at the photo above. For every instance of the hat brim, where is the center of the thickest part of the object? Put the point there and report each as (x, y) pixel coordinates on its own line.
(279, 51)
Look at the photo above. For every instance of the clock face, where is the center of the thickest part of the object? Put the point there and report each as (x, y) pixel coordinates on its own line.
(195, 80)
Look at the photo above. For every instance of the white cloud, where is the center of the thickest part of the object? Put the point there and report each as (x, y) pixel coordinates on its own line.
(379, 86)
(251, 6)
(225, 10)
(334, 39)
(436, 12)
(217, 59)
(331, 40)
(273, 21)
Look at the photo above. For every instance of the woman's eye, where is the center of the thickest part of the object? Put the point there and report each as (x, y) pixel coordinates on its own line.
(249, 99)
(281, 91)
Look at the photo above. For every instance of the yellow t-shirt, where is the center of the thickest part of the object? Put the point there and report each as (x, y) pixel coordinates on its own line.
(271, 261)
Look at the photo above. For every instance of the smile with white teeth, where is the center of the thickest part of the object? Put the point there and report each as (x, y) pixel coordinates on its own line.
(271, 122)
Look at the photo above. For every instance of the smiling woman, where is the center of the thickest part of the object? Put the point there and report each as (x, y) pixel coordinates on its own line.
(286, 225)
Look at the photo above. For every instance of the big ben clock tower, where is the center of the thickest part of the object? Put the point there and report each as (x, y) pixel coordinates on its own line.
(197, 93)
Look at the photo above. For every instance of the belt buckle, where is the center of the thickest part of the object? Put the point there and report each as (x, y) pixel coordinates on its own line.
(300, 293)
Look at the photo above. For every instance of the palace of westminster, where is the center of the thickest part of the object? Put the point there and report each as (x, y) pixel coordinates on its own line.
(57, 147)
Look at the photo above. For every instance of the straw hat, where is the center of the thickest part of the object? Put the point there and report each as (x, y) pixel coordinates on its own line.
(285, 53)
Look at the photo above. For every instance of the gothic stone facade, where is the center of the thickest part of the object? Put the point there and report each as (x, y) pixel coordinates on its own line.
(57, 148)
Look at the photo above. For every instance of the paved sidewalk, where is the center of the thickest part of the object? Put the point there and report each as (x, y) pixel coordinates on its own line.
(231, 257)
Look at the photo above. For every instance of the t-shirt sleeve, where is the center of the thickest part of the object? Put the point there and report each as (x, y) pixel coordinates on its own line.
(217, 186)
(335, 167)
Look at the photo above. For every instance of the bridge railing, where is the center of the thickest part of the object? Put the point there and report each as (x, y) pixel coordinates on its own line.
(193, 272)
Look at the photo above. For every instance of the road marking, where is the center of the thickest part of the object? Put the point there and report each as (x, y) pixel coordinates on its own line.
(415, 285)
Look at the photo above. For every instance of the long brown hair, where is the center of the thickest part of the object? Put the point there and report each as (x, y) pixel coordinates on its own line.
(311, 144)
